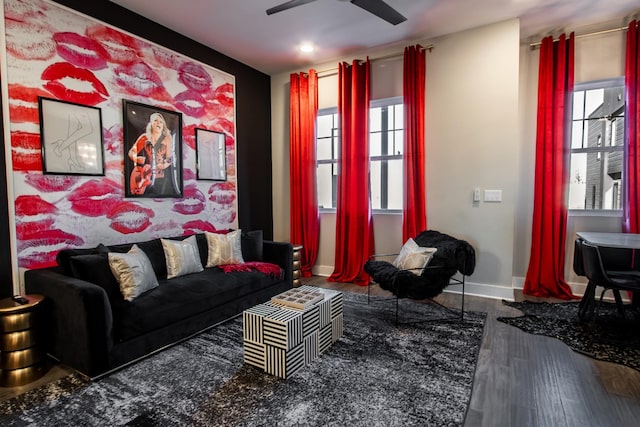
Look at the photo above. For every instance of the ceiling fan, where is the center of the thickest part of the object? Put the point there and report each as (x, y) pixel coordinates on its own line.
(377, 7)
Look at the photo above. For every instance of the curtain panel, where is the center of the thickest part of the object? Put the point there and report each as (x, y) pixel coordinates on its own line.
(354, 226)
(304, 214)
(631, 205)
(414, 214)
(545, 275)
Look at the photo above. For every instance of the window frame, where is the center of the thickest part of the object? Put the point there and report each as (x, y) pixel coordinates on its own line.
(586, 86)
(336, 134)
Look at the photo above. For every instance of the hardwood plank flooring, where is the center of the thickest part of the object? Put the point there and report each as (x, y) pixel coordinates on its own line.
(528, 380)
(521, 379)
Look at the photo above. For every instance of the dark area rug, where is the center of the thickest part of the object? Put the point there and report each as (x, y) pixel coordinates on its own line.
(376, 374)
(610, 338)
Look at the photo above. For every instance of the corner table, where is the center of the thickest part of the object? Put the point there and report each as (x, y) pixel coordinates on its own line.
(21, 354)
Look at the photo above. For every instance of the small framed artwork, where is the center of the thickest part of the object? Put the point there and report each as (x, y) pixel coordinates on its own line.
(211, 155)
(71, 136)
(152, 151)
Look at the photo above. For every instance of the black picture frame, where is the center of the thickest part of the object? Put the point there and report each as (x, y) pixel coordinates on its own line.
(71, 138)
(211, 155)
(152, 166)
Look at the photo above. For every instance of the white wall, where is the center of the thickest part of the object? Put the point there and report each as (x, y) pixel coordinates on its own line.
(481, 97)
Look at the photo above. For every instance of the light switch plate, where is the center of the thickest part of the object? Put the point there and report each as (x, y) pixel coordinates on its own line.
(492, 195)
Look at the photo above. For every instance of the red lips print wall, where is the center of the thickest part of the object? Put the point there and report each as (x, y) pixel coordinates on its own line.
(56, 53)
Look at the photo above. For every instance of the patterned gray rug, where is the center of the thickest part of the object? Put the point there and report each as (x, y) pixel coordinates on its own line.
(377, 374)
(610, 338)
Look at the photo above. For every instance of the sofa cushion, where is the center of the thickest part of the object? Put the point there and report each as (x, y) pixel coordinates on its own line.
(182, 256)
(224, 248)
(181, 298)
(133, 271)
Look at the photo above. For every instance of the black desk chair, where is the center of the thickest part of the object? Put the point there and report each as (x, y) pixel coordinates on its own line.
(598, 276)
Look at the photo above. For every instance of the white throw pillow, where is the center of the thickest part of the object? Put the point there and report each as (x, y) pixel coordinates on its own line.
(182, 256)
(133, 271)
(224, 248)
(413, 257)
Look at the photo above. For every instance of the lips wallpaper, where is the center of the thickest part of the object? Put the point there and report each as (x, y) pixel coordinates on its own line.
(56, 53)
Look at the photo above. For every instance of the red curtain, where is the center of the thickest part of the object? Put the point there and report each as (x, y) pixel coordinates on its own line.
(631, 214)
(354, 227)
(545, 276)
(414, 213)
(304, 220)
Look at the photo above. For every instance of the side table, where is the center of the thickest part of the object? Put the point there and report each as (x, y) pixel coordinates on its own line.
(297, 266)
(21, 355)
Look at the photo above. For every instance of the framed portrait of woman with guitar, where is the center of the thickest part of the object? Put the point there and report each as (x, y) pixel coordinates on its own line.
(152, 151)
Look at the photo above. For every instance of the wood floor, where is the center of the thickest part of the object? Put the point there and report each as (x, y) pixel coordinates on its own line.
(521, 379)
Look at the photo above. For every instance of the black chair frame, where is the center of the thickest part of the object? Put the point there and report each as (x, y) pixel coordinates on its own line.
(452, 281)
(595, 271)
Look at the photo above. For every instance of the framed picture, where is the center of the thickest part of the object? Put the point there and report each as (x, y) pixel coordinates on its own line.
(152, 151)
(71, 136)
(211, 155)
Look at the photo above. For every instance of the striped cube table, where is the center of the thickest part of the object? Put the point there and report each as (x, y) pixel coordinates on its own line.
(281, 340)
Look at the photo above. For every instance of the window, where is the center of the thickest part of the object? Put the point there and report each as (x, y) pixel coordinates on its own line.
(386, 142)
(597, 132)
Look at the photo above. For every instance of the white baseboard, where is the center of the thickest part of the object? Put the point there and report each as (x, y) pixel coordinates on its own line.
(486, 290)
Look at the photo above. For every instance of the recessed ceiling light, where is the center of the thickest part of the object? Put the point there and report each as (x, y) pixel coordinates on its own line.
(306, 48)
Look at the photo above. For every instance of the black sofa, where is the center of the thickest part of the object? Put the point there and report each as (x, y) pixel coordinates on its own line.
(93, 329)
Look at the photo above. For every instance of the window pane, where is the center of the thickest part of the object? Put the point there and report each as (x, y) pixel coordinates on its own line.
(394, 184)
(375, 144)
(593, 104)
(325, 185)
(323, 149)
(324, 126)
(577, 181)
(399, 113)
(578, 107)
(576, 135)
(398, 142)
(375, 119)
(375, 175)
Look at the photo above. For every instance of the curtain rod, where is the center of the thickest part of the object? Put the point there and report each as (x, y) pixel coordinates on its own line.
(596, 33)
(334, 70)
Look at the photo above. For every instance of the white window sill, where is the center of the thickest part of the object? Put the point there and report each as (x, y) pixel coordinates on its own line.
(596, 213)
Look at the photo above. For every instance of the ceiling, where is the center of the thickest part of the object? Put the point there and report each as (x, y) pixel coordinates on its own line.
(242, 30)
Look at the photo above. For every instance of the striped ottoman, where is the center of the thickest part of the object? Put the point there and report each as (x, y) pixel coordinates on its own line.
(280, 340)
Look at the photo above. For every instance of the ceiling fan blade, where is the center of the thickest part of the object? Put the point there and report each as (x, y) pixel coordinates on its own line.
(381, 10)
(287, 5)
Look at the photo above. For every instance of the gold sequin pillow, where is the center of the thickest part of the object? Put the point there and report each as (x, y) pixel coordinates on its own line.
(182, 257)
(224, 248)
(133, 271)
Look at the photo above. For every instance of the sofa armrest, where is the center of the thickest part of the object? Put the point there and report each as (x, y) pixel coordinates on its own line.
(79, 319)
(280, 253)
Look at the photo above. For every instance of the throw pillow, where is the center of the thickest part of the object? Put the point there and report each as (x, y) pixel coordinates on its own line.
(224, 248)
(251, 243)
(64, 256)
(413, 257)
(182, 257)
(133, 271)
(94, 268)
